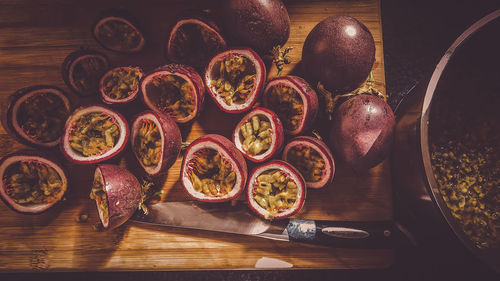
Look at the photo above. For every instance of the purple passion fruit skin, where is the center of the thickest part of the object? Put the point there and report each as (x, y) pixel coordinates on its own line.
(339, 52)
(120, 85)
(186, 102)
(362, 131)
(35, 115)
(94, 134)
(31, 182)
(312, 158)
(294, 101)
(259, 24)
(156, 141)
(213, 169)
(117, 30)
(117, 195)
(82, 71)
(194, 40)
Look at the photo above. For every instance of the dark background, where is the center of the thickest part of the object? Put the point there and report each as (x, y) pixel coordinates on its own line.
(415, 36)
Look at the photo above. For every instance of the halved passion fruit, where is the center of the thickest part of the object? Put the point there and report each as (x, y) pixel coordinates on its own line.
(213, 169)
(235, 78)
(295, 102)
(194, 40)
(156, 141)
(82, 70)
(276, 190)
(31, 183)
(312, 158)
(36, 115)
(259, 135)
(120, 84)
(117, 30)
(175, 90)
(93, 134)
(117, 194)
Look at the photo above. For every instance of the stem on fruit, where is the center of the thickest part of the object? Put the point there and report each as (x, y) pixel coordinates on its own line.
(281, 57)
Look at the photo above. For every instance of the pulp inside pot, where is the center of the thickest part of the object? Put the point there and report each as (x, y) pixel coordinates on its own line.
(308, 161)
(98, 194)
(275, 191)
(194, 44)
(211, 174)
(42, 117)
(122, 82)
(147, 143)
(87, 72)
(93, 134)
(32, 182)
(118, 34)
(172, 95)
(287, 104)
(256, 135)
(234, 79)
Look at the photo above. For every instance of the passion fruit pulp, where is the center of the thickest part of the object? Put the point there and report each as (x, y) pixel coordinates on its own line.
(213, 170)
(120, 84)
(93, 134)
(156, 141)
(82, 70)
(234, 79)
(31, 182)
(35, 115)
(175, 90)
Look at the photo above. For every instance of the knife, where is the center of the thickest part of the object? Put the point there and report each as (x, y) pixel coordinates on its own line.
(234, 217)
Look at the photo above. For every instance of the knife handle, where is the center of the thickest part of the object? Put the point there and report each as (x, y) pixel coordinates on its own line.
(342, 234)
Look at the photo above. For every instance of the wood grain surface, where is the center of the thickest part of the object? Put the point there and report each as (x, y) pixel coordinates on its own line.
(36, 36)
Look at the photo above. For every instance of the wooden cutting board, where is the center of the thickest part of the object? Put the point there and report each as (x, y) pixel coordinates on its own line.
(35, 37)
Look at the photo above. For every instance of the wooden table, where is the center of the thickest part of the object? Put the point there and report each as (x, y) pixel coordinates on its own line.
(36, 36)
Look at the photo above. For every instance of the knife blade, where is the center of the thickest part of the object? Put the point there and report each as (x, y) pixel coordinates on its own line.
(234, 217)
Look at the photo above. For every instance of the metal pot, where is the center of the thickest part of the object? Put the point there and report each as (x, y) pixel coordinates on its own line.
(476, 52)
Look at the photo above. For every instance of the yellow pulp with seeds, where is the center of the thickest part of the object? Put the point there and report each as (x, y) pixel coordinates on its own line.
(32, 183)
(172, 95)
(256, 135)
(147, 144)
(288, 105)
(308, 161)
(122, 82)
(235, 79)
(98, 194)
(93, 134)
(275, 192)
(211, 174)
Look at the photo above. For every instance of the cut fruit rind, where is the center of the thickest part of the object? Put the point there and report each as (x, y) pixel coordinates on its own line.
(120, 84)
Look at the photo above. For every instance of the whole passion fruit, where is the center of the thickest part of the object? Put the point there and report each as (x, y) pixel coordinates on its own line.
(259, 24)
(93, 134)
(362, 131)
(156, 141)
(35, 115)
(117, 194)
(339, 52)
(213, 169)
(31, 182)
(120, 85)
(117, 30)
(194, 40)
(295, 102)
(276, 190)
(82, 70)
(175, 90)
(235, 78)
(259, 135)
(312, 158)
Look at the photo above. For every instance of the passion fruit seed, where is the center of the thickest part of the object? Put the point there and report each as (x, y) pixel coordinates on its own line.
(175, 95)
(257, 135)
(148, 144)
(87, 72)
(288, 105)
(122, 82)
(32, 182)
(98, 194)
(211, 174)
(275, 192)
(308, 161)
(235, 80)
(119, 33)
(93, 134)
(42, 117)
